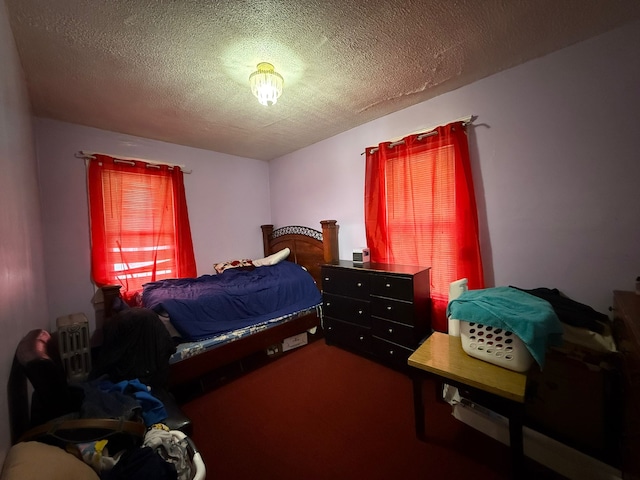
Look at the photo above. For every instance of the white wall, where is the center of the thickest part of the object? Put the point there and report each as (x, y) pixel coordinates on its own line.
(23, 300)
(227, 198)
(554, 153)
(556, 168)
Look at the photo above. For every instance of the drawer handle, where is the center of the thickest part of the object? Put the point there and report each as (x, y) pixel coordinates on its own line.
(328, 304)
(359, 284)
(360, 312)
(388, 285)
(326, 279)
(389, 307)
(361, 338)
(391, 330)
(329, 328)
(390, 352)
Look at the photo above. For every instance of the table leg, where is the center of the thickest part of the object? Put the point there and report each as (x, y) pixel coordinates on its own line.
(516, 441)
(440, 392)
(418, 407)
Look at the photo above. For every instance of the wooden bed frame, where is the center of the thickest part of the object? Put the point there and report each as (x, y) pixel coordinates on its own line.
(309, 247)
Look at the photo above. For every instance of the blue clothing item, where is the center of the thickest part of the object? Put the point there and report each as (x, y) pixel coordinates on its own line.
(531, 318)
(153, 410)
(98, 403)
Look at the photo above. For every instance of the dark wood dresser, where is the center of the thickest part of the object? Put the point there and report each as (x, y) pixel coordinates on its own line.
(376, 310)
(626, 323)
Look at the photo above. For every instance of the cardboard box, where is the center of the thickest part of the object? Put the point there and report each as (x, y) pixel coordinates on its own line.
(288, 344)
(574, 399)
(294, 342)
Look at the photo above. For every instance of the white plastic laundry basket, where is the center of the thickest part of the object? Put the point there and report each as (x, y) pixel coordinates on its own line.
(495, 345)
(199, 470)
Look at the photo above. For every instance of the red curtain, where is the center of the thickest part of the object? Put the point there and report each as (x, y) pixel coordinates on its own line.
(420, 209)
(139, 224)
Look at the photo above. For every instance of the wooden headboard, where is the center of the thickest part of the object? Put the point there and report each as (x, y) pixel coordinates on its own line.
(309, 247)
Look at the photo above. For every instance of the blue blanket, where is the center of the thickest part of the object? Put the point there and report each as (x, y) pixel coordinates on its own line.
(208, 305)
(530, 318)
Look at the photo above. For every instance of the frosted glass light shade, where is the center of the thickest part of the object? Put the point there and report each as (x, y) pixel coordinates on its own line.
(266, 84)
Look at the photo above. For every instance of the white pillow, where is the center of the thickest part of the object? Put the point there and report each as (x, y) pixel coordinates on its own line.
(273, 258)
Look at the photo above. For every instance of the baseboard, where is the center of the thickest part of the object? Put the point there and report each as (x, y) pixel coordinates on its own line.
(546, 451)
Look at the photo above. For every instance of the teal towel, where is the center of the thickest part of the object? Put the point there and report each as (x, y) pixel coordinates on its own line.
(531, 318)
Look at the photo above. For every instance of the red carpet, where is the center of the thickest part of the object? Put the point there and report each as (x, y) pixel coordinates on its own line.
(320, 412)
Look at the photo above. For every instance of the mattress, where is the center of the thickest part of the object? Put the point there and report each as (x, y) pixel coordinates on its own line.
(190, 349)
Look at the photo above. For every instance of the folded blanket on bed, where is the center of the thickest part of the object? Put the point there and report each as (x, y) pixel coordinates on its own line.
(529, 317)
(205, 306)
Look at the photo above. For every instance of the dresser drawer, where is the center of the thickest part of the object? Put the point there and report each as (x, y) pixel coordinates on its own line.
(391, 353)
(392, 286)
(390, 309)
(348, 335)
(629, 349)
(626, 330)
(630, 366)
(348, 283)
(348, 309)
(393, 332)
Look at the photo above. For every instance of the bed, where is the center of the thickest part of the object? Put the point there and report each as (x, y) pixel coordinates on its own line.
(308, 247)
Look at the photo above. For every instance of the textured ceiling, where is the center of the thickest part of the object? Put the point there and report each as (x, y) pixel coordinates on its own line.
(177, 70)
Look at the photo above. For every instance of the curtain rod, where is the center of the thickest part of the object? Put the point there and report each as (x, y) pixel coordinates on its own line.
(90, 155)
(426, 132)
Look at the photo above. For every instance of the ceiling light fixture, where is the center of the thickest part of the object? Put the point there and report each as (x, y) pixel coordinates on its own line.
(266, 84)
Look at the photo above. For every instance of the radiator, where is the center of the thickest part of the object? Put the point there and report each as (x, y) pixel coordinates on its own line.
(74, 345)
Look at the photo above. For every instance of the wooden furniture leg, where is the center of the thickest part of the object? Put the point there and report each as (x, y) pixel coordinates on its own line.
(418, 407)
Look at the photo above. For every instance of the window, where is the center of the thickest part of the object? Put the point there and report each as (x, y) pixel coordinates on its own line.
(420, 210)
(139, 224)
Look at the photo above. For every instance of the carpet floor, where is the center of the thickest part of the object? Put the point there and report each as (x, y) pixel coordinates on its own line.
(320, 412)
